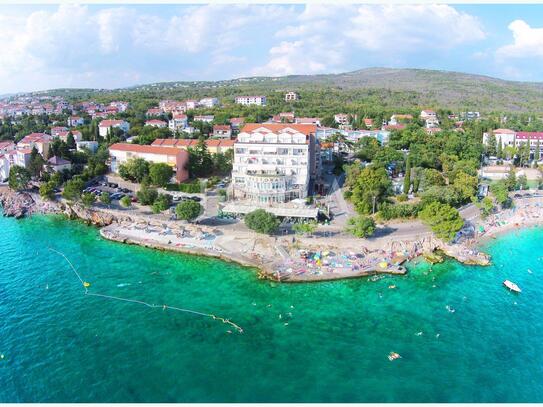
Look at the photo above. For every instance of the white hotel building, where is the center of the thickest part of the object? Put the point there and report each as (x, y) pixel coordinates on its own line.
(251, 100)
(275, 163)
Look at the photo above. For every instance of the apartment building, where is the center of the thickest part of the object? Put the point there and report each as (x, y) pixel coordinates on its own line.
(105, 125)
(176, 158)
(275, 163)
(251, 100)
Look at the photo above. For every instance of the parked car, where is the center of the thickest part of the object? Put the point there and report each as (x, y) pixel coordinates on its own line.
(126, 190)
(195, 198)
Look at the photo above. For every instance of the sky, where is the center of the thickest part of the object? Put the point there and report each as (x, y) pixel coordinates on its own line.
(109, 46)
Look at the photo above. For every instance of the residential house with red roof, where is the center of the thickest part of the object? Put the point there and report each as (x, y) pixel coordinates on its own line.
(105, 125)
(222, 131)
(177, 158)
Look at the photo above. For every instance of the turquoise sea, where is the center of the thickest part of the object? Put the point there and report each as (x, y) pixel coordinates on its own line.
(318, 342)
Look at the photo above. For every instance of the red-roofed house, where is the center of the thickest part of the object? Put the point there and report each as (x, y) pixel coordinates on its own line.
(178, 122)
(75, 121)
(105, 125)
(213, 146)
(222, 131)
(155, 111)
(284, 117)
(156, 123)
(237, 122)
(56, 130)
(308, 120)
(40, 140)
(175, 157)
(63, 135)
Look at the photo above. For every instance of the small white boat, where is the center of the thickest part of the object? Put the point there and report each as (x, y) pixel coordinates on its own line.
(512, 286)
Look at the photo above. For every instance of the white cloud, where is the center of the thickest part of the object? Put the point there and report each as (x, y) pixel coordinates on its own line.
(323, 37)
(528, 42)
(76, 45)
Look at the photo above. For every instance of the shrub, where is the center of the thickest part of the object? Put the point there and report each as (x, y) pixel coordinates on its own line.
(160, 174)
(88, 199)
(361, 226)
(188, 210)
(147, 195)
(162, 203)
(125, 201)
(105, 198)
(261, 221)
(46, 190)
(443, 219)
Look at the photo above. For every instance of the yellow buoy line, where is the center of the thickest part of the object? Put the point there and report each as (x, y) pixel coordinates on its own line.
(86, 286)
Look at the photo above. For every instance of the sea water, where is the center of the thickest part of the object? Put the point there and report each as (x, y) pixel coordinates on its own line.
(461, 335)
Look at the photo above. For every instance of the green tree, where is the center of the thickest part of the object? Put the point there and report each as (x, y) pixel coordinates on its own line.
(537, 152)
(511, 180)
(499, 149)
(105, 198)
(70, 140)
(135, 169)
(372, 187)
(35, 164)
(125, 201)
(88, 199)
(361, 226)
(200, 162)
(305, 228)
(19, 177)
(491, 144)
(261, 221)
(407, 177)
(162, 203)
(486, 206)
(188, 210)
(46, 190)
(444, 220)
(465, 185)
(147, 195)
(522, 182)
(500, 190)
(160, 174)
(73, 188)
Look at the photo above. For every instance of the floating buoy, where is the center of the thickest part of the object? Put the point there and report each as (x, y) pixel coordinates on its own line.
(85, 284)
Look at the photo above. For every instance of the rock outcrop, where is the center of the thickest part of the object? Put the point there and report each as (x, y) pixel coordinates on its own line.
(93, 217)
(16, 204)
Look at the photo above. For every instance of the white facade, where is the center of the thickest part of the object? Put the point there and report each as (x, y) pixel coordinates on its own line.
(89, 145)
(272, 164)
(251, 100)
(75, 121)
(205, 118)
(178, 122)
(191, 104)
(104, 126)
(428, 114)
(431, 123)
(504, 136)
(290, 96)
(209, 102)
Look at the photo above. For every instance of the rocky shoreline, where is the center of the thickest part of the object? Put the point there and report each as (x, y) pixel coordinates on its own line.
(20, 204)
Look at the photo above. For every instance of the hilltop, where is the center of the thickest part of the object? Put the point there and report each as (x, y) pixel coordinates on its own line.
(389, 87)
